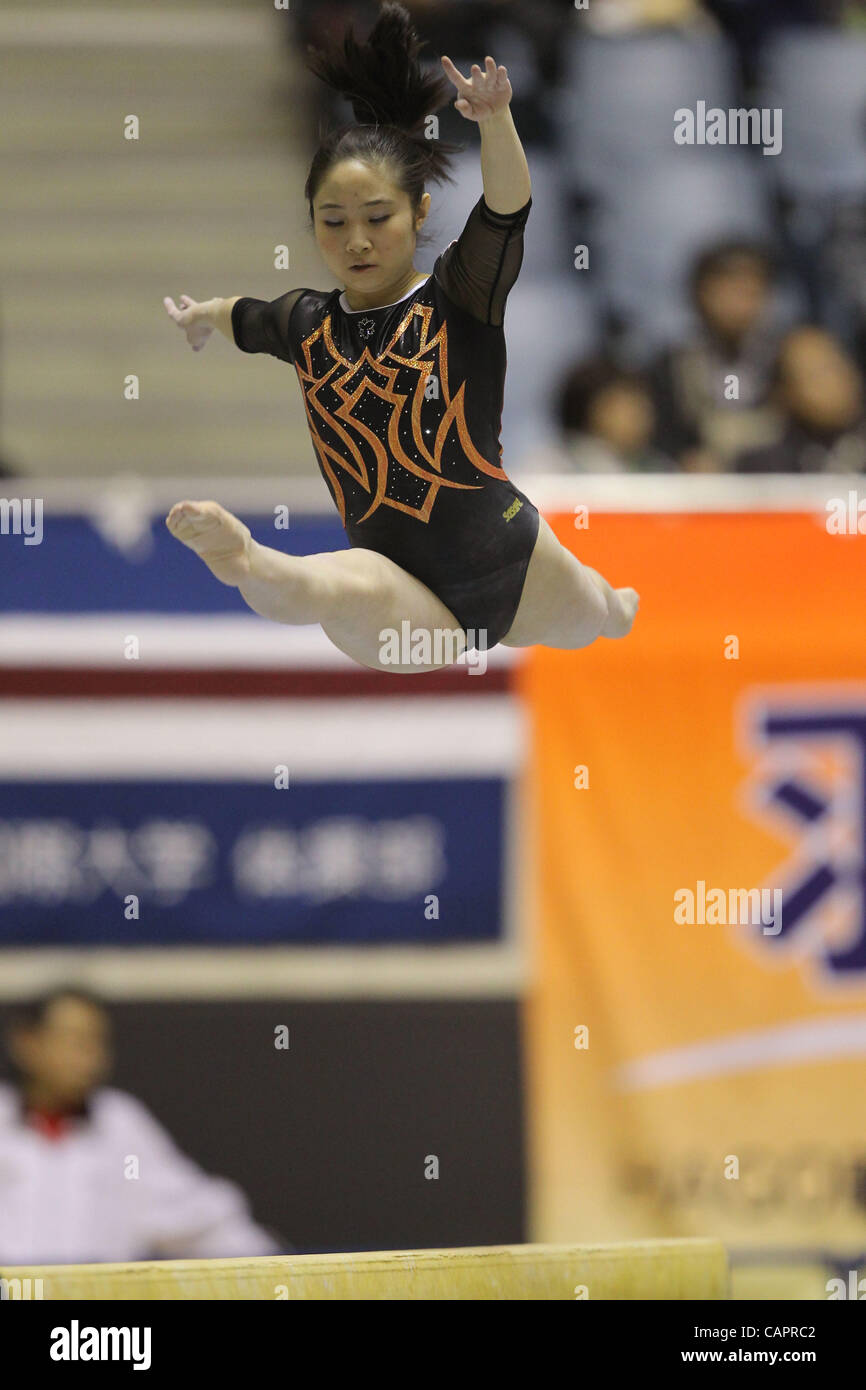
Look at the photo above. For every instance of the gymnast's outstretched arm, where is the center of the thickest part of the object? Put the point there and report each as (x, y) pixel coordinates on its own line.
(253, 325)
(198, 321)
(484, 97)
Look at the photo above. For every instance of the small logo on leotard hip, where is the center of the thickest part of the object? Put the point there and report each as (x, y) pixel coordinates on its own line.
(513, 509)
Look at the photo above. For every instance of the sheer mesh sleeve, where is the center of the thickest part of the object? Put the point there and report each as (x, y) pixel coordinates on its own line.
(478, 269)
(262, 326)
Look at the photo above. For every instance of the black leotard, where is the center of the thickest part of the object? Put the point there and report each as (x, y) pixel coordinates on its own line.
(404, 405)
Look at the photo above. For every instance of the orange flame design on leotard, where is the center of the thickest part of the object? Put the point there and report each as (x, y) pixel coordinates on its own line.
(430, 358)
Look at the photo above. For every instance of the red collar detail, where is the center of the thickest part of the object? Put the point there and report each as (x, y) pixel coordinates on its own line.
(51, 1124)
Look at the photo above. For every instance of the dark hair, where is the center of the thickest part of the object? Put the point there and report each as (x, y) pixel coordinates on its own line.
(581, 386)
(721, 258)
(391, 96)
(30, 1013)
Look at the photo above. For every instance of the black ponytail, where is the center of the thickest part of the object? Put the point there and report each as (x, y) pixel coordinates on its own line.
(392, 97)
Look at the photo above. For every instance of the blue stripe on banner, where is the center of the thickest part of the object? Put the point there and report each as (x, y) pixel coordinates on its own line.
(338, 863)
(76, 570)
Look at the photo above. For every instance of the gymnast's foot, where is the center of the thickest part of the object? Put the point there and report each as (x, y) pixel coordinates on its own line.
(622, 613)
(217, 537)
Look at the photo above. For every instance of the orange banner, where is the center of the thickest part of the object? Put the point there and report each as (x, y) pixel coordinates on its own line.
(697, 1027)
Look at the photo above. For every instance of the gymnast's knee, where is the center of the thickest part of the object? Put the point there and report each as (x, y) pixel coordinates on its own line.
(354, 585)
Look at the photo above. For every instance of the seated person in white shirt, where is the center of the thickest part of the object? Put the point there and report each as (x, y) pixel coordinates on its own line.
(86, 1172)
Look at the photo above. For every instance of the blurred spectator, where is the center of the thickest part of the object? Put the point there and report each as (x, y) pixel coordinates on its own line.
(819, 392)
(86, 1172)
(711, 392)
(606, 421)
(628, 16)
(843, 277)
(749, 23)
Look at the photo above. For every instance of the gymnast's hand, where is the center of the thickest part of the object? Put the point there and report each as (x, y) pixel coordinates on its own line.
(193, 318)
(484, 93)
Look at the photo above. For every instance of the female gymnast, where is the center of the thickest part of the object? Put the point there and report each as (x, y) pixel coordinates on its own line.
(402, 376)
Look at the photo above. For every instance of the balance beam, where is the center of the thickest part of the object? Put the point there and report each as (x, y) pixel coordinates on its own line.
(651, 1269)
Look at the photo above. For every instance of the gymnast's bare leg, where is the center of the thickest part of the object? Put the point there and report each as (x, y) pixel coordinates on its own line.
(356, 595)
(566, 604)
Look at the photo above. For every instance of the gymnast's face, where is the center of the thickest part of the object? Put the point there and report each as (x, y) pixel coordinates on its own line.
(361, 217)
